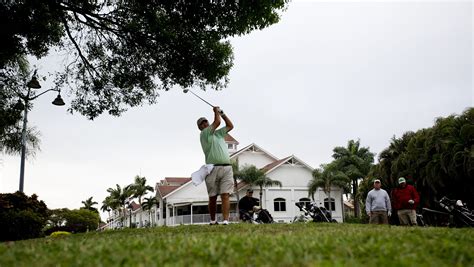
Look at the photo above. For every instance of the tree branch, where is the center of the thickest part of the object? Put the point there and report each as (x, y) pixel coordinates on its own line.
(84, 59)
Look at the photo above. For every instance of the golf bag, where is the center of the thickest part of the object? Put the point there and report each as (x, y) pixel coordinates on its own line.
(263, 216)
(454, 214)
(313, 213)
(257, 217)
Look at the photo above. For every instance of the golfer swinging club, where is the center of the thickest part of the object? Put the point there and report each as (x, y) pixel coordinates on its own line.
(220, 180)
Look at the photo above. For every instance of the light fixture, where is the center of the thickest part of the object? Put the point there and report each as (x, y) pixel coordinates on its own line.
(33, 83)
(58, 101)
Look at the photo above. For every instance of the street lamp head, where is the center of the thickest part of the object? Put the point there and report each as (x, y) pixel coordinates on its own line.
(58, 101)
(33, 83)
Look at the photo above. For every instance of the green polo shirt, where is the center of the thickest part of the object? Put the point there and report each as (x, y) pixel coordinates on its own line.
(214, 146)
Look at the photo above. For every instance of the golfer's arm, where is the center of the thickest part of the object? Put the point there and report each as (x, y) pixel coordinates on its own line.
(228, 123)
(216, 122)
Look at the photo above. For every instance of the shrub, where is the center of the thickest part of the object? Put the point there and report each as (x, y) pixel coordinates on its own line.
(59, 234)
(81, 220)
(21, 217)
(56, 221)
(353, 219)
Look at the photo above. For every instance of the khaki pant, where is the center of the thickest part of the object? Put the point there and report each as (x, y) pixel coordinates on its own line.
(407, 217)
(378, 217)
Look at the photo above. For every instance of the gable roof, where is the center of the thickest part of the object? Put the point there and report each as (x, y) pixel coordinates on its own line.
(135, 206)
(241, 185)
(274, 164)
(170, 184)
(164, 190)
(252, 147)
(177, 180)
(229, 139)
(293, 160)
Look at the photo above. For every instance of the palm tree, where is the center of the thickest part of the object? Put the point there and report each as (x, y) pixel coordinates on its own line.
(10, 141)
(326, 177)
(88, 205)
(254, 176)
(107, 205)
(148, 204)
(11, 110)
(237, 176)
(140, 189)
(355, 162)
(119, 196)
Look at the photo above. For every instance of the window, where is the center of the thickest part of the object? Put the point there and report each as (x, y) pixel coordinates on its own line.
(230, 146)
(305, 201)
(279, 204)
(331, 202)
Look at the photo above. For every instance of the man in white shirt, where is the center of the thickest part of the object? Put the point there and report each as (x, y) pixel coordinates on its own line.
(377, 204)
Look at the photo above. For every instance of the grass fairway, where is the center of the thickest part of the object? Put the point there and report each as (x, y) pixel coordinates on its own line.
(250, 245)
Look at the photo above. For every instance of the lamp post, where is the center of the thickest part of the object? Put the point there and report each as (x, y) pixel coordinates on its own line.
(32, 84)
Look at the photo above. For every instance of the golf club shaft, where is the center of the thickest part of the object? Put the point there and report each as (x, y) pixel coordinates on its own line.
(201, 98)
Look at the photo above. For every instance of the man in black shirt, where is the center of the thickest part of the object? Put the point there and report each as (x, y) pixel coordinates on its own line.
(247, 205)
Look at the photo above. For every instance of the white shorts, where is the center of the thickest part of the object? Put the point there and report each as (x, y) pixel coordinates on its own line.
(220, 181)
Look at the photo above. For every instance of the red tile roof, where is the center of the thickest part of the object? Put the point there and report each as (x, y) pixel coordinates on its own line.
(274, 164)
(179, 180)
(229, 139)
(134, 205)
(241, 185)
(166, 189)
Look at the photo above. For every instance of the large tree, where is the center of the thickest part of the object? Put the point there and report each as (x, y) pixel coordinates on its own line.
(355, 161)
(121, 53)
(438, 161)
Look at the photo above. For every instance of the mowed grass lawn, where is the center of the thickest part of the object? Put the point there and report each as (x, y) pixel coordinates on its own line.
(250, 245)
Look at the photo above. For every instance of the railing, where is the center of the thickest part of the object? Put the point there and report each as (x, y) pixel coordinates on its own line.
(200, 218)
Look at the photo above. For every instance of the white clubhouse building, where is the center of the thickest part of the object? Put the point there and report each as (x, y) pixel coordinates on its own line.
(180, 202)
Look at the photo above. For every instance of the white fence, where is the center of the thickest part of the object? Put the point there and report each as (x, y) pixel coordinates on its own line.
(200, 218)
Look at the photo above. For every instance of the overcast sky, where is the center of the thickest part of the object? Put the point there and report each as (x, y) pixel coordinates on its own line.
(327, 73)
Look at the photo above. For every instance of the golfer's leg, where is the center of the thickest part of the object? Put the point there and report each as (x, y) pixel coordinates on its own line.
(211, 190)
(226, 187)
(213, 207)
(225, 206)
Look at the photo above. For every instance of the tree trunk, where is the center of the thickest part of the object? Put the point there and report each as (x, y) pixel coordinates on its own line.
(237, 196)
(356, 200)
(141, 211)
(261, 193)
